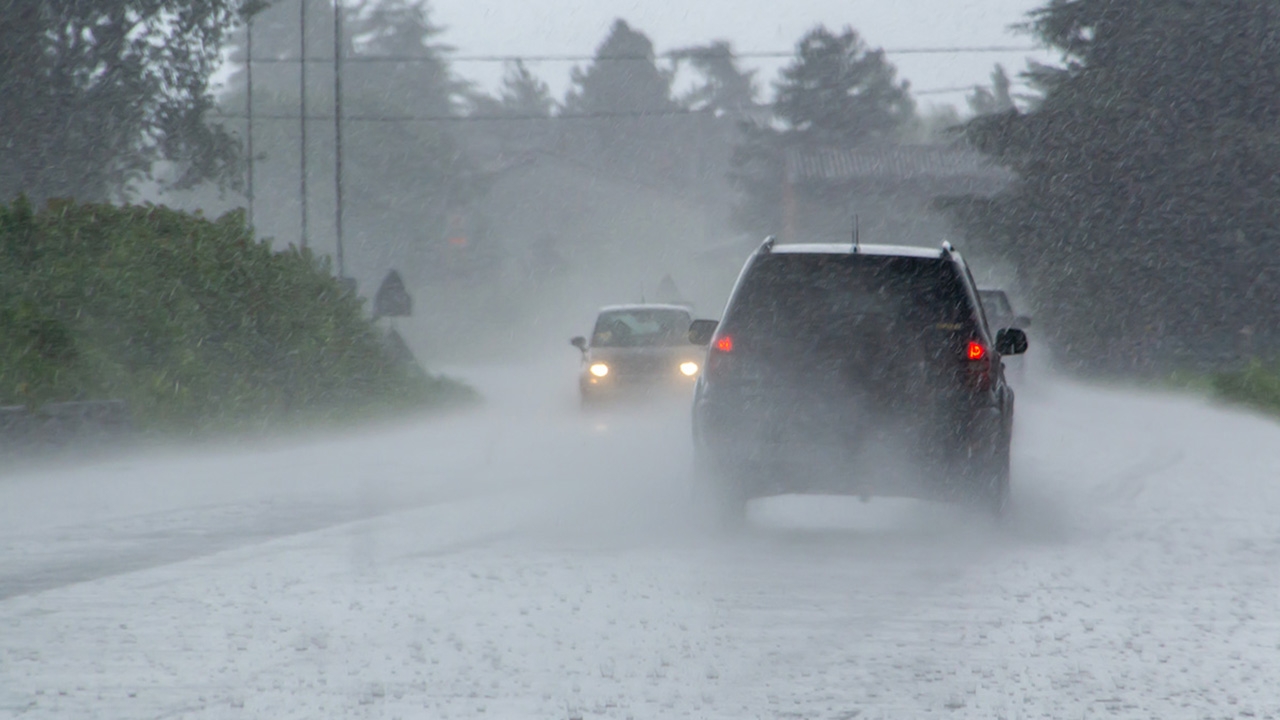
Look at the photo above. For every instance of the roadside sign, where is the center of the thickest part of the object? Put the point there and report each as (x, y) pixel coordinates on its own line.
(392, 300)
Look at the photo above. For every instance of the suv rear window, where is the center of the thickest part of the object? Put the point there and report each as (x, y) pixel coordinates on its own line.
(793, 296)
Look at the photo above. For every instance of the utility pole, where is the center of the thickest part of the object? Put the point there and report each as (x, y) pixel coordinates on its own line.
(248, 67)
(337, 131)
(302, 113)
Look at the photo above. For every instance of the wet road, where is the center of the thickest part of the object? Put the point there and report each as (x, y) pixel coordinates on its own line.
(524, 561)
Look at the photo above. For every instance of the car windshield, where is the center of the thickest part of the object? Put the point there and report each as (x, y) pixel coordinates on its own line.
(641, 328)
(789, 297)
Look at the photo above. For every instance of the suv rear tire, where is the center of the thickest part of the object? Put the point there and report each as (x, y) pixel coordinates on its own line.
(990, 481)
(719, 494)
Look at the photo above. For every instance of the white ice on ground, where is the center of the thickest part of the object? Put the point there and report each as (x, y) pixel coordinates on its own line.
(527, 562)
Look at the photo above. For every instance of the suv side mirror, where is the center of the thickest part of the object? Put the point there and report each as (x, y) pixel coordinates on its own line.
(580, 343)
(1022, 321)
(700, 331)
(1011, 341)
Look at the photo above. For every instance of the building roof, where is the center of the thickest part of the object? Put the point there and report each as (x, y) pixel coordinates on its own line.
(645, 306)
(893, 163)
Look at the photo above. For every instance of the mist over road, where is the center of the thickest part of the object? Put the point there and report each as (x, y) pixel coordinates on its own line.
(524, 560)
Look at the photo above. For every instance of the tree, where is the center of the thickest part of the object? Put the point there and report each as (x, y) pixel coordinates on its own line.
(1147, 211)
(623, 99)
(523, 94)
(404, 168)
(757, 169)
(726, 87)
(95, 94)
(403, 28)
(837, 92)
(420, 78)
(622, 78)
(997, 99)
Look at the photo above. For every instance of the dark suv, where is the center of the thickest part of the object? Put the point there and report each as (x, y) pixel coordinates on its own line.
(858, 370)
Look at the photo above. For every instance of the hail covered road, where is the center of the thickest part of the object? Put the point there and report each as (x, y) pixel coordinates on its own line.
(525, 561)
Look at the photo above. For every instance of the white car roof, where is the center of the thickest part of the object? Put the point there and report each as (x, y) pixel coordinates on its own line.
(863, 249)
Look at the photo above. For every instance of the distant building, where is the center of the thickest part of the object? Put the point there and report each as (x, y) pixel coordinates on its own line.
(890, 188)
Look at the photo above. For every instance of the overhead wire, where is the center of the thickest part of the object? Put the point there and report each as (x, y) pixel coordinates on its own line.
(669, 55)
(476, 118)
(672, 55)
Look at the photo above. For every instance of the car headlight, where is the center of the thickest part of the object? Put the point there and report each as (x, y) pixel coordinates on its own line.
(689, 368)
(599, 369)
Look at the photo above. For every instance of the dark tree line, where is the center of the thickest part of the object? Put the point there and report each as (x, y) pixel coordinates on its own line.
(94, 94)
(1146, 216)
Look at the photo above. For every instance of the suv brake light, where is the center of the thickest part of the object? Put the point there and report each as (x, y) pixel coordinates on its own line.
(721, 347)
(978, 366)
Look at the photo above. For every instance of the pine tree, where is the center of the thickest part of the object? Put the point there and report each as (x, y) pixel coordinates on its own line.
(838, 92)
(835, 93)
(523, 94)
(404, 29)
(622, 79)
(725, 87)
(997, 99)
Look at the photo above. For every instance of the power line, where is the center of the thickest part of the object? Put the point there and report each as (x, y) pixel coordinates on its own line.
(672, 55)
(622, 115)
(472, 118)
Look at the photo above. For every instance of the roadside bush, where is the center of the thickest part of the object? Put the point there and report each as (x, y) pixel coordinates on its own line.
(1258, 386)
(193, 322)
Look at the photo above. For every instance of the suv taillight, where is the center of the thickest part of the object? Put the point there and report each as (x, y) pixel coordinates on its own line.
(718, 355)
(977, 366)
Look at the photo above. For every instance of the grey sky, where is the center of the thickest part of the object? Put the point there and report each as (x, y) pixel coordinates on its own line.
(515, 27)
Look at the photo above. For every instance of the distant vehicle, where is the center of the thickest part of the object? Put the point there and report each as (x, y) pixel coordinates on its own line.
(1000, 314)
(859, 370)
(999, 310)
(637, 351)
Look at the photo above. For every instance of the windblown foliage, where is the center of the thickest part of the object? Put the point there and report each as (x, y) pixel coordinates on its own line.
(1147, 214)
(190, 321)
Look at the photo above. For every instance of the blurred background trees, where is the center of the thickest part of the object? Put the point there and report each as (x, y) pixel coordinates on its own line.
(93, 96)
(1146, 214)
(1142, 218)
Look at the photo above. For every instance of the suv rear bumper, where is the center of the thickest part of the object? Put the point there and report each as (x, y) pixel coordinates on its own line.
(927, 456)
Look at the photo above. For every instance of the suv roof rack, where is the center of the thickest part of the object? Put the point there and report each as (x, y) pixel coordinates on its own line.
(947, 249)
(767, 246)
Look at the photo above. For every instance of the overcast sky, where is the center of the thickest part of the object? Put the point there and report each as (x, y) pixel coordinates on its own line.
(537, 27)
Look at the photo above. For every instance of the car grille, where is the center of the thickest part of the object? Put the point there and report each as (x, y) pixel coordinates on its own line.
(625, 367)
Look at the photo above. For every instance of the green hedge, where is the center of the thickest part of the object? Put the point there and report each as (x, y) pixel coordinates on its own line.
(1257, 385)
(193, 322)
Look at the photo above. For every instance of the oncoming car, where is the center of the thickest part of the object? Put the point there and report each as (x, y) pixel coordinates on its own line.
(638, 351)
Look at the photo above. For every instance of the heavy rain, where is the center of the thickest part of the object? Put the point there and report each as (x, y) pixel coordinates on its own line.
(639, 359)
